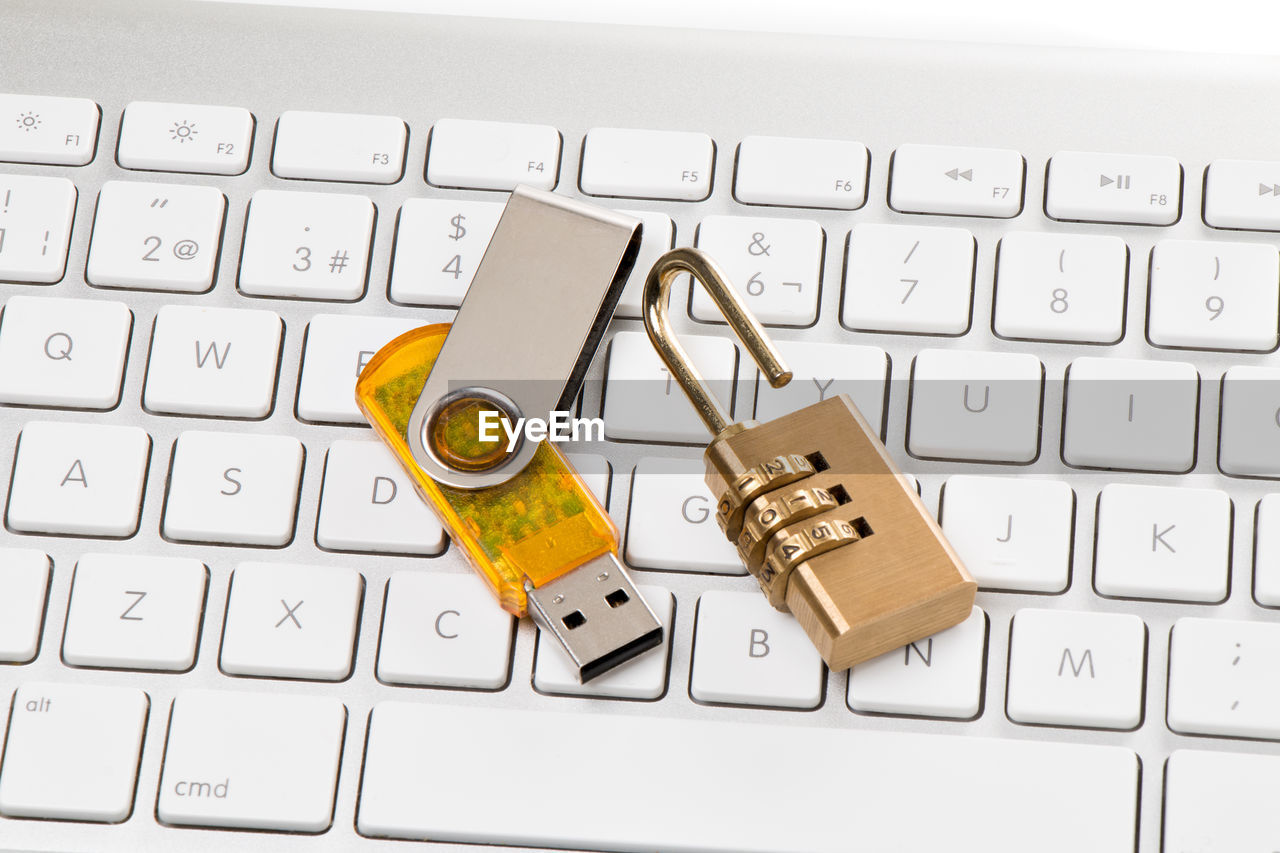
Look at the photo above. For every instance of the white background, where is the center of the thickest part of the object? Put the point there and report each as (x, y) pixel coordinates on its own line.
(1213, 26)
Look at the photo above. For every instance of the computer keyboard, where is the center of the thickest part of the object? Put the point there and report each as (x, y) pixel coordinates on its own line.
(1049, 277)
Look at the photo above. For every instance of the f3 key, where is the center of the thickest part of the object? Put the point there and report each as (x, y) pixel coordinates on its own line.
(824, 520)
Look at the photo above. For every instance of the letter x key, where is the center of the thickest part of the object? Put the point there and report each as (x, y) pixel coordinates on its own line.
(289, 614)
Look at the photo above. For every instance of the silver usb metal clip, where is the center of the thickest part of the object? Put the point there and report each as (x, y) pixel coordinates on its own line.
(530, 323)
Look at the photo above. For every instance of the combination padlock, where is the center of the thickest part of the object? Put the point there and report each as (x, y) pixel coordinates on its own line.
(832, 530)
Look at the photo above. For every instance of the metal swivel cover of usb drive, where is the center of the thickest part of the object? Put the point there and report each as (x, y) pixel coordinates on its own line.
(519, 347)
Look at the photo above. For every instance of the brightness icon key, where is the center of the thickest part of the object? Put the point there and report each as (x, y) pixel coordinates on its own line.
(53, 131)
(185, 138)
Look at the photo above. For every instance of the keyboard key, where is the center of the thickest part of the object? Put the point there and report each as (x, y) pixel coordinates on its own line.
(306, 245)
(493, 155)
(1163, 542)
(1249, 444)
(63, 352)
(213, 361)
(444, 630)
(287, 621)
(439, 244)
(672, 522)
(644, 677)
(957, 181)
(1012, 534)
(661, 164)
(156, 236)
(908, 278)
(775, 265)
(790, 172)
(368, 504)
(24, 584)
(1061, 287)
(339, 147)
(1207, 295)
(337, 349)
(1242, 194)
(825, 370)
(79, 479)
(1004, 792)
(278, 773)
(131, 612)
(233, 488)
(1266, 563)
(939, 676)
(595, 472)
(976, 406)
(35, 227)
(54, 131)
(643, 403)
(657, 237)
(747, 653)
(185, 138)
(1121, 188)
(72, 752)
(1131, 414)
(1218, 802)
(1222, 678)
(1076, 669)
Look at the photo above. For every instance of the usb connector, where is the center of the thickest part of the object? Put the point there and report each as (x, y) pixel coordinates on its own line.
(596, 614)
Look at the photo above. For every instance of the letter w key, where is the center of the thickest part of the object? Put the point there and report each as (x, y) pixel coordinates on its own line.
(212, 382)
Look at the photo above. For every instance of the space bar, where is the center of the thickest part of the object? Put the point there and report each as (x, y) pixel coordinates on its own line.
(599, 782)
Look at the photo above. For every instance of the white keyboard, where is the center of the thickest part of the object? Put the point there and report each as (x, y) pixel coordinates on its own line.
(1050, 278)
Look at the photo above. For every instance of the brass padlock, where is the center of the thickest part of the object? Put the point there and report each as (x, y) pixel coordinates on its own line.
(832, 530)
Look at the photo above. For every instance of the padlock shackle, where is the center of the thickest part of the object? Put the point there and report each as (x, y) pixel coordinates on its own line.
(657, 322)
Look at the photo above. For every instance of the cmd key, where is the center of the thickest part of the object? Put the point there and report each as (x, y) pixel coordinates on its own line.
(1220, 802)
(251, 761)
